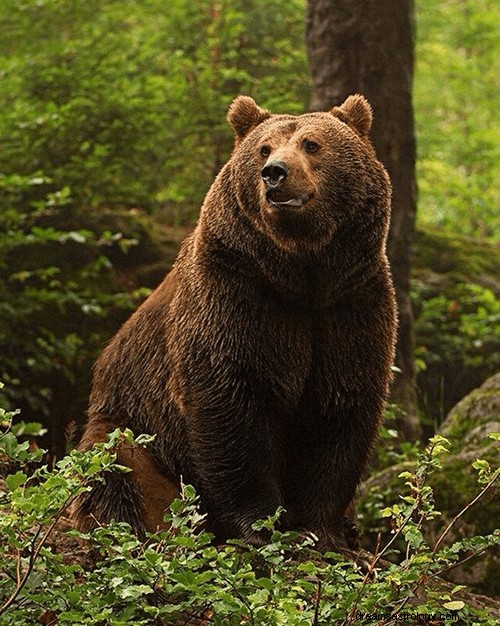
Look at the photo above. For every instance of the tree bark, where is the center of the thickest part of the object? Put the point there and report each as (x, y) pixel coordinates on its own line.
(366, 46)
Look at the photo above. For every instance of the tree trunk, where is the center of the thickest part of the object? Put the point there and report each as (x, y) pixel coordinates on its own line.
(365, 46)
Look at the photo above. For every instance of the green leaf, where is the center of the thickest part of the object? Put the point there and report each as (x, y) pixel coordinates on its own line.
(265, 583)
(8, 444)
(405, 475)
(455, 605)
(13, 481)
(135, 591)
(480, 464)
(439, 449)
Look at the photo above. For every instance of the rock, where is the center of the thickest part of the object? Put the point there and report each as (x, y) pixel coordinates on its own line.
(467, 427)
(473, 418)
(455, 485)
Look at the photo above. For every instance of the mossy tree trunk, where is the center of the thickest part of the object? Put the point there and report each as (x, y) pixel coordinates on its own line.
(365, 46)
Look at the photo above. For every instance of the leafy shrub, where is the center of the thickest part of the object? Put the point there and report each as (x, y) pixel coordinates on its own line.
(125, 102)
(59, 301)
(179, 577)
(456, 104)
(458, 341)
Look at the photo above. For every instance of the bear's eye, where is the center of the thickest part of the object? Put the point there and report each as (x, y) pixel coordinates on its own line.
(310, 146)
(265, 151)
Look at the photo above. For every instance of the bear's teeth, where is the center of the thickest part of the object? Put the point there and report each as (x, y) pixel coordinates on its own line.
(292, 202)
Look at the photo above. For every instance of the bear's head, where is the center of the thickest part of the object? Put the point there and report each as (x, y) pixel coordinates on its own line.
(302, 178)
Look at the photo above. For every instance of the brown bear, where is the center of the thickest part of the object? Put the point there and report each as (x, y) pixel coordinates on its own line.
(263, 360)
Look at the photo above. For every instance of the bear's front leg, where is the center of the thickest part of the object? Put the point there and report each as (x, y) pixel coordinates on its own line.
(234, 456)
(324, 467)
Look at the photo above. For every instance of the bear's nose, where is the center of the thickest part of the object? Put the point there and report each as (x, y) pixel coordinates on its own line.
(274, 173)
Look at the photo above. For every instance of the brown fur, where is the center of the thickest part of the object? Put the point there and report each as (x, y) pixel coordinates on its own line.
(263, 360)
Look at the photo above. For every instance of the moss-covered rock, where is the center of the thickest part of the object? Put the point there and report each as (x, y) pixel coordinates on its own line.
(456, 257)
(455, 485)
(473, 418)
(467, 428)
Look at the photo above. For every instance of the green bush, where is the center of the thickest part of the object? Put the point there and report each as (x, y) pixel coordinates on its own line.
(179, 576)
(456, 102)
(60, 299)
(458, 341)
(125, 102)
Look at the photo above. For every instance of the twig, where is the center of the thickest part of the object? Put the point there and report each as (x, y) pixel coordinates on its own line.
(461, 562)
(464, 510)
(376, 557)
(199, 613)
(316, 604)
(34, 555)
(379, 555)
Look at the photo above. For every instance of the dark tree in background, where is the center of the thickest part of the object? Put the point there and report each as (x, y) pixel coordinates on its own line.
(366, 46)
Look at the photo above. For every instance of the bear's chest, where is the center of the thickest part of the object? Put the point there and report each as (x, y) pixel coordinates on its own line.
(314, 360)
(235, 335)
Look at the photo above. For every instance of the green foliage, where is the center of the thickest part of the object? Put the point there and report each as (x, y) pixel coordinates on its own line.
(79, 74)
(454, 292)
(458, 340)
(124, 102)
(178, 576)
(58, 296)
(456, 104)
(465, 322)
(392, 449)
(217, 51)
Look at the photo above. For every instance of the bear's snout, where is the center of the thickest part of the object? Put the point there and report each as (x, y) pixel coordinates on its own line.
(281, 192)
(274, 173)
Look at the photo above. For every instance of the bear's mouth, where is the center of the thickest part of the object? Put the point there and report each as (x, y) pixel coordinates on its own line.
(281, 198)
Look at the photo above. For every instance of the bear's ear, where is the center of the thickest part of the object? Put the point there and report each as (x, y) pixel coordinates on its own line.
(244, 115)
(356, 112)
